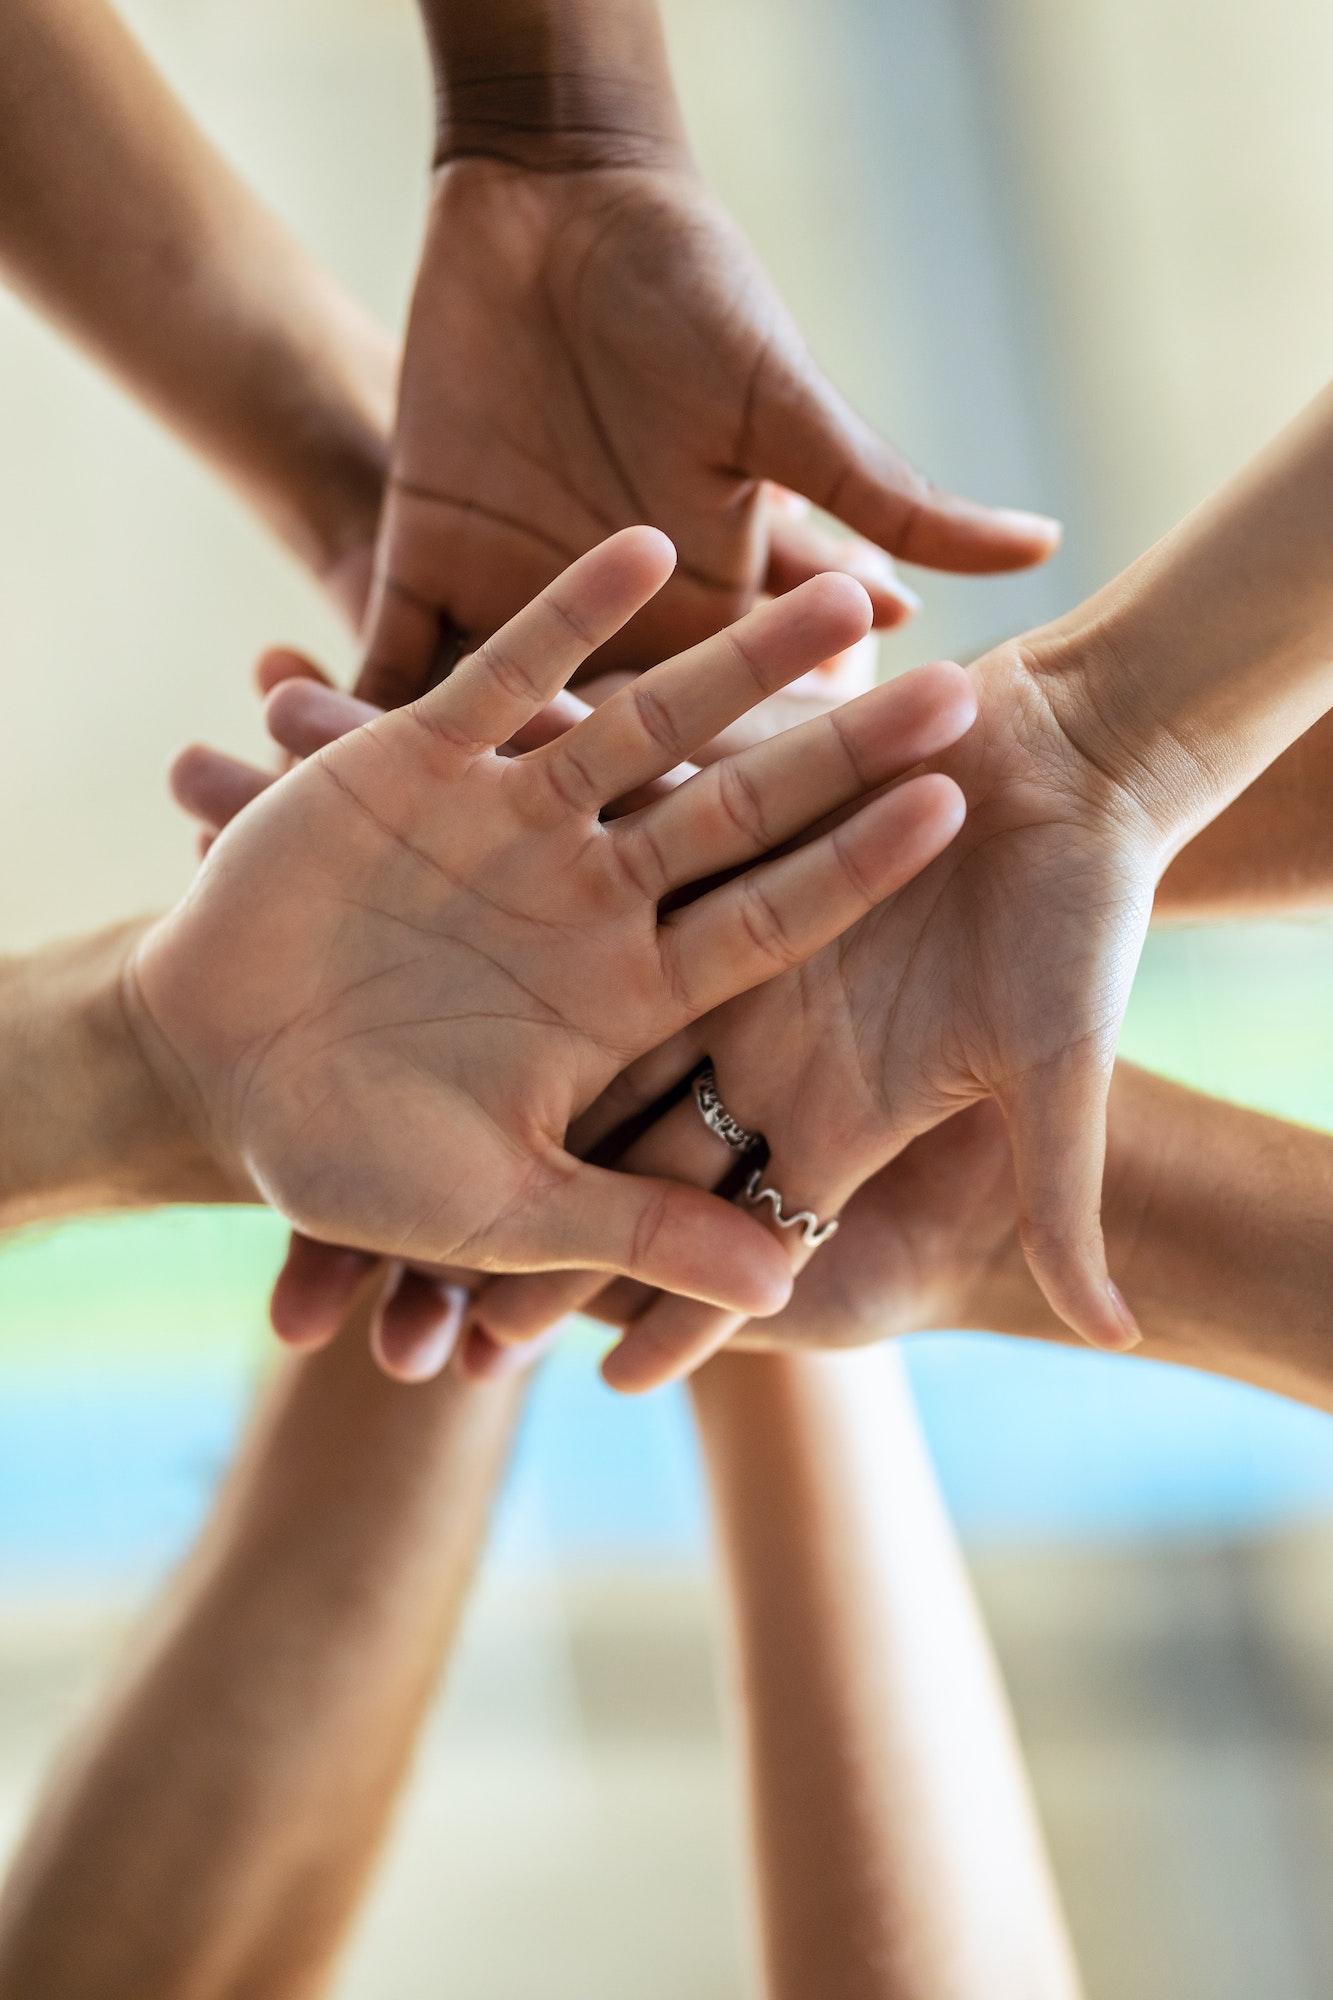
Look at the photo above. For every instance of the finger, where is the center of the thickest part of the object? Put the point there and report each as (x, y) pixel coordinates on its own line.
(515, 1310)
(680, 1333)
(212, 788)
(284, 663)
(304, 716)
(405, 636)
(1057, 1129)
(799, 549)
(315, 1289)
(512, 676)
(662, 1071)
(669, 1341)
(558, 715)
(481, 1359)
(671, 1237)
(805, 435)
(662, 717)
(777, 915)
(752, 803)
(416, 1326)
(618, 1303)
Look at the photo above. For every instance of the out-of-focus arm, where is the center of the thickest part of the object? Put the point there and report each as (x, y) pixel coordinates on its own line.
(897, 1852)
(212, 1830)
(120, 221)
(1270, 851)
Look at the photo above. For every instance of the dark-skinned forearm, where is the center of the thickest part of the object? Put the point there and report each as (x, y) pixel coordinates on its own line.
(120, 221)
(554, 84)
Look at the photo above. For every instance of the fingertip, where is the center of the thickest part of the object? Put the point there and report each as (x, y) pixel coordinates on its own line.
(842, 598)
(184, 773)
(314, 1290)
(649, 544)
(284, 663)
(417, 1327)
(943, 803)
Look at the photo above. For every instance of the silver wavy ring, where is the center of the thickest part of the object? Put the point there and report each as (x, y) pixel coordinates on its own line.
(814, 1231)
(717, 1117)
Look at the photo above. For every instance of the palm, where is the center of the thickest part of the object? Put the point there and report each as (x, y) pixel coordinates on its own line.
(1000, 971)
(592, 349)
(409, 963)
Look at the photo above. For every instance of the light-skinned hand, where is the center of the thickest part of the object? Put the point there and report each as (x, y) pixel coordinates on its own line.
(487, 953)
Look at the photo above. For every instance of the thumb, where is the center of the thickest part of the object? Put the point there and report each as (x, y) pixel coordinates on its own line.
(803, 434)
(1057, 1131)
(670, 1236)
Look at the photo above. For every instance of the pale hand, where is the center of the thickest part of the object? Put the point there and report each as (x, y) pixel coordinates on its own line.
(407, 967)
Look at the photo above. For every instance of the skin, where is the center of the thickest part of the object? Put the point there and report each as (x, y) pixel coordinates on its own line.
(394, 911)
(896, 1852)
(212, 1828)
(591, 344)
(1219, 1218)
(1102, 744)
(124, 225)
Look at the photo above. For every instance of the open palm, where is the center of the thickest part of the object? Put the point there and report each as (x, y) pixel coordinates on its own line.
(409, 963)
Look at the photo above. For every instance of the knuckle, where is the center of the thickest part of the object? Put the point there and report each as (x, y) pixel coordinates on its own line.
(763, 924)
(656, 720)
(742, 802)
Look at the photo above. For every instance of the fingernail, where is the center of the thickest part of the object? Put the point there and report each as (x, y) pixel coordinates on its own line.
(1042, 525)
(1132, 1335)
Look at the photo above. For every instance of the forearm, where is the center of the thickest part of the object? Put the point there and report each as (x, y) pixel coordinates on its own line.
(85, 1125)
(1270, 850)
(213, 1830)
(898, 1855)
(1188, 675)
(119, 220)
(553, 83)
(1221, 1221)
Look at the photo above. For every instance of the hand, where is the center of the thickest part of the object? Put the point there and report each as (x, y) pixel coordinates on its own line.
(594, 347)
(421, 1310)
(1002, 971)
(543, 940)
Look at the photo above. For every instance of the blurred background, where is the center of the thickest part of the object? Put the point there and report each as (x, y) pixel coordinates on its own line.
(1073, 254)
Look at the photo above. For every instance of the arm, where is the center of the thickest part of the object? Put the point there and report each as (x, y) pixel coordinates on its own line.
(119, 220)
(592, 344)
(1221, 1219)
(86, 1125)
(212, 1830)
(1270, 850)
(898, 1854)
(1104, 743)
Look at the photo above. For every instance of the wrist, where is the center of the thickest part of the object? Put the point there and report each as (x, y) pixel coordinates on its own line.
(582, 85)
(88, 1124)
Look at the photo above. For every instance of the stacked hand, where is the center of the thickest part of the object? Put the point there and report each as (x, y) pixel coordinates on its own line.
(468, 954)
(1001, 972)
(596, 347)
